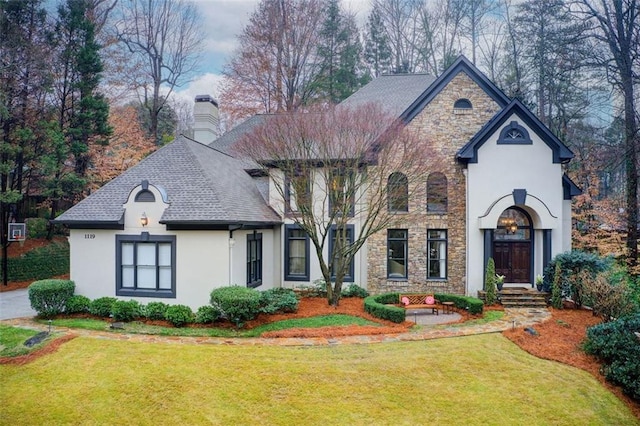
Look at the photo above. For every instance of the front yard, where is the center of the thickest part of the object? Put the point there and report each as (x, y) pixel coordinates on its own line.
(481, 379)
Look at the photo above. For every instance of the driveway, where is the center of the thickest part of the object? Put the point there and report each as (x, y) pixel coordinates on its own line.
(15, 304)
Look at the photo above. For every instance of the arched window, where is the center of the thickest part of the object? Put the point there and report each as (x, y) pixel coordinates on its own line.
(462, 103)
(398, 192)
(437, 193)
(514, 134)
(145, 196)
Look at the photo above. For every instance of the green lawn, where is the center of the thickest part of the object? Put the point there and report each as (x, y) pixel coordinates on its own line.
(474, 380)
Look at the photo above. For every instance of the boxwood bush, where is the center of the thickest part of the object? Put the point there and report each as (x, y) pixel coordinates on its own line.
(381, 306)
(179, 315)
(77, 304)
(49, 297)
(102, 306)
(278, 300)
(155, 310)
(618, 347)
(472, 304)
(238, 304)
(125, 310)
(207, 314)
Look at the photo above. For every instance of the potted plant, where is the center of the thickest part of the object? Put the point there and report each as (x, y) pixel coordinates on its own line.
(499, 281)
(539, 282)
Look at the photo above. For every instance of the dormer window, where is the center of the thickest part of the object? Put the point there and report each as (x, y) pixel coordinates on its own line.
(145, 196)
(514, 134)
(462, 106)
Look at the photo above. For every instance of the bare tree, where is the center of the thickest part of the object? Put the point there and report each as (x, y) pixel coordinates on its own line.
(333, 169)
(400, 22)
(164, 39)
(616, 31)
(274, 65)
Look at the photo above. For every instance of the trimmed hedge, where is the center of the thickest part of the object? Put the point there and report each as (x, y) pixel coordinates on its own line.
(238, 304)
(77, 304)
(380, 307)
(102, 306)
(207, 315)
(155, 310)
(618, 347)
(126, 310)
(40, 263)
(179, 315)
(474, 305)
(49, 297)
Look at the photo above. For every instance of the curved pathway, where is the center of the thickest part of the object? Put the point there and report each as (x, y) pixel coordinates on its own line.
(513, 318)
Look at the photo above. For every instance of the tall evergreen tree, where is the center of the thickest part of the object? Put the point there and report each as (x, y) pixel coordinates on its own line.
(377, 52)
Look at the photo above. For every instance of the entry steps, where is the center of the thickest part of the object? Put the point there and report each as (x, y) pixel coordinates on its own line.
(520, 297)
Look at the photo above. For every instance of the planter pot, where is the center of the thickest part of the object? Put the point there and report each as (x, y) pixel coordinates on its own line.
(499, 285)
(539, 287)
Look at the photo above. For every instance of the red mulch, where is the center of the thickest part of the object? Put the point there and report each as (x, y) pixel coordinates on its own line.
(559, 339)
(49, 348)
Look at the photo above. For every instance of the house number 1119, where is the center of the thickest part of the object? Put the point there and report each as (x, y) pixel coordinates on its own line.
(89, 236)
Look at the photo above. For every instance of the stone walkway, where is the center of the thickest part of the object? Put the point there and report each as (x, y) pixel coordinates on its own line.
(513, 318)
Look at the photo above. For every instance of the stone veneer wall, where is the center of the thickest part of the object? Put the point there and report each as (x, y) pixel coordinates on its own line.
(448, 130)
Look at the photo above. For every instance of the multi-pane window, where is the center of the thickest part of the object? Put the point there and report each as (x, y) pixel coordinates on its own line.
(145, 265)
(254, 259)
(334, 243)
(437, 252)
(397, 253)
(341, 192)
(297, 192)
(437, 193)
(296, 266)
(398, 192)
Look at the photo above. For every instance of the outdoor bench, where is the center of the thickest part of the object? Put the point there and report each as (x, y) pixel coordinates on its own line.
(419, 301)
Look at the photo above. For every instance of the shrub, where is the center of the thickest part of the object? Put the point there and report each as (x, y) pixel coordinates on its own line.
(207, 314)
(556, 288)
(608, 296)
(125, 310)
(278, 300)
(37, 227)
(238, 304)
(474, 305)
(40, 263)
(490, 296)
(571, 263)
(49, 297)
(617, 346)
(380, 306)
(179, 315)
(77, 304)
(102, 306)
(354, 290)
(155, 310)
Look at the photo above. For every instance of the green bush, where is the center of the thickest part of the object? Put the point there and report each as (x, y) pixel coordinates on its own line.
(37, 227)
(618, 347)
(179, 315)
(155, 310)
(380, 306)
(49, 297)
(77, 304)
(354, 290)
(238, 304)
(102, 306)
(490, 295)
(278, 300)
(207, 314)
(571, 263)
(40, 263)
(474, 305)
(125, 310)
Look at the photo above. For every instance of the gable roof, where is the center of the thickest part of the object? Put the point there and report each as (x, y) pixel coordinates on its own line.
(469, 152)
(227, 140)
(394, 92)
(205, 187)
(461, 64)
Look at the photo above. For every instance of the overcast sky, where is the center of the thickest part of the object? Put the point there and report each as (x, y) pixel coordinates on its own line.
(223, 21)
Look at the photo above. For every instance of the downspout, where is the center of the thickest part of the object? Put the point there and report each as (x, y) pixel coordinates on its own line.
(232, 243)
(465, 172)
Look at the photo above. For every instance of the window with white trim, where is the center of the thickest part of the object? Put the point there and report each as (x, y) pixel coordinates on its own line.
(146, 265)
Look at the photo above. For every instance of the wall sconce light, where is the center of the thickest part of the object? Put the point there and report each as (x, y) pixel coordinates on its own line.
(144, 220)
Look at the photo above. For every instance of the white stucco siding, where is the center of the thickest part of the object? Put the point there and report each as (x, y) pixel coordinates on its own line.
(93, 260)
(270, 258)
(500, 170)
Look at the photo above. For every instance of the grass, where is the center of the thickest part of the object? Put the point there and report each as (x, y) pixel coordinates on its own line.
(474, 380)
(12, 340)
(141, 328)
(488, 316)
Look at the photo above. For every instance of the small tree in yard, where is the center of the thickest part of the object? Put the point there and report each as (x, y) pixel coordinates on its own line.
(490, 282)
(332, 168)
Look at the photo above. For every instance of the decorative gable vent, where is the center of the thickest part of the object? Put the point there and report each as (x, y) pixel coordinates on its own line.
(462, 106)
(514, 134)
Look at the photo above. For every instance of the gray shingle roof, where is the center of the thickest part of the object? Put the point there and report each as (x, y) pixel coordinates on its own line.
(394, 92)
(203, 185)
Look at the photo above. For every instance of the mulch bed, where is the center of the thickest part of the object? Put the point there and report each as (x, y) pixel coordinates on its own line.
(47, 349)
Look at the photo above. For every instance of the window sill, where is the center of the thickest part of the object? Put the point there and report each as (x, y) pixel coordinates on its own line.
(166, 294)
(397, 279)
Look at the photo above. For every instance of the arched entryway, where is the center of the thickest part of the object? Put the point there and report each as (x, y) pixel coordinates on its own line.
(513, 246)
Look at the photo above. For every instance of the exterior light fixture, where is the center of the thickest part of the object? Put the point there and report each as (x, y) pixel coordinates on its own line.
(144, 220)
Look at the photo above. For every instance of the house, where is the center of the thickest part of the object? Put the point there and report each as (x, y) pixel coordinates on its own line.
(190, 218)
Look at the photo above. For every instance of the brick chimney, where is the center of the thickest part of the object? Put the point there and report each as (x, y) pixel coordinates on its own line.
(206, 126)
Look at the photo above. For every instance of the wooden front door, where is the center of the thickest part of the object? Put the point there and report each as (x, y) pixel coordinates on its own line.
(513, 260)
